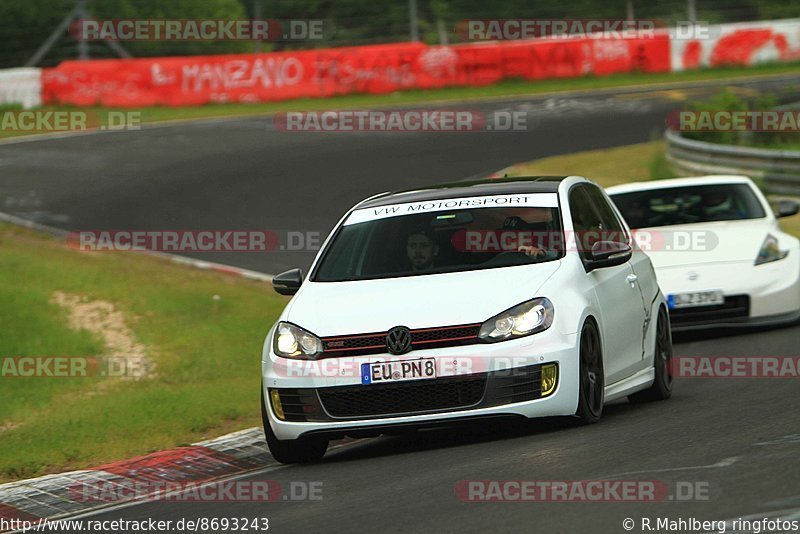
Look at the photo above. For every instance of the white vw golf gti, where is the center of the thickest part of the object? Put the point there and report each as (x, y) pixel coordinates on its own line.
(520, 297)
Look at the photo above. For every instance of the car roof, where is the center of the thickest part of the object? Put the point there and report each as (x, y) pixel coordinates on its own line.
(473, 188)
(678, 182)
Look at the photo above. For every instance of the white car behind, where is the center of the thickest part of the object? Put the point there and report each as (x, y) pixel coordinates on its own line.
(720, 256)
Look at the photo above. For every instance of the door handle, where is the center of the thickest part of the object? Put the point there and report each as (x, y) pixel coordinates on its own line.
(631, 278)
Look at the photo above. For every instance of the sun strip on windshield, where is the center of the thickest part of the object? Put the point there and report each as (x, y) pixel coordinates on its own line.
(534, 200)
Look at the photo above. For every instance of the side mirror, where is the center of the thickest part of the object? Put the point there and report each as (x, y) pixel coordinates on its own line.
(787, 208)
(607, 254)
(288, 283)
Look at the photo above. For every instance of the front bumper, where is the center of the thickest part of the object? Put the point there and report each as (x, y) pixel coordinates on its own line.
(755, 295)
(710, 321)
(476, 381)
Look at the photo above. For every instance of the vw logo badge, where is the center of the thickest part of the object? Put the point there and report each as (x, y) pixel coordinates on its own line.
(398, 340)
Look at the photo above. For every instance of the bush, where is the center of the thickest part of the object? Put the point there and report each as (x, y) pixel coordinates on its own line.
(728, 101)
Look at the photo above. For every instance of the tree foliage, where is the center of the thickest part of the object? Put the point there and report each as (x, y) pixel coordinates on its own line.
(26, 24)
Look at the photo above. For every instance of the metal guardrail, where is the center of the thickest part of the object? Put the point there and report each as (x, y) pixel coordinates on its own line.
(779, 170)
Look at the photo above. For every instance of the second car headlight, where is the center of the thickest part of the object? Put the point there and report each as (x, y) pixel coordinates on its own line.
(770, 251)
(290, 341)
(522, 320)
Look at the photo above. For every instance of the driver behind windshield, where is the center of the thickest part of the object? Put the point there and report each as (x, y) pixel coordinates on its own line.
(421, 251)
(535, 231)
(718, 205)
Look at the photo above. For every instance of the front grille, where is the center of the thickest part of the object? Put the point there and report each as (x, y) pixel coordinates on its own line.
(734, 307)
(403, 397)
(428, 336)
(421, 338)
(495, 388)
(351, 344)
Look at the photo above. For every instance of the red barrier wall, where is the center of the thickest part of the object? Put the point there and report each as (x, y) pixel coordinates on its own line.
(181, 81)
(745, 43)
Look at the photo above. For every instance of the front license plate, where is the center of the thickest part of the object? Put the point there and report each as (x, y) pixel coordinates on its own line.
(398, 371)
(697, 298)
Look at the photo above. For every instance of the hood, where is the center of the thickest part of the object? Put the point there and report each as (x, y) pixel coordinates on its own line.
(697, 244)
(366, 306)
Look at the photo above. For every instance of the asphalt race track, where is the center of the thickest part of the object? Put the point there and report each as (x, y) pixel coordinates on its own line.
(736, 440)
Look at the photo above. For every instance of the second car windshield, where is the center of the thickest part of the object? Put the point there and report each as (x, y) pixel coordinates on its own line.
(442, 241)
(688, 205)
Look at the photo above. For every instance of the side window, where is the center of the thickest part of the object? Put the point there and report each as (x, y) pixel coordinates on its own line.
(585, 219)
(612, 228)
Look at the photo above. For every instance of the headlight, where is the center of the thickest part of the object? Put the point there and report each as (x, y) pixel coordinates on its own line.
(770, 251)
(291, 341)
(521, 320)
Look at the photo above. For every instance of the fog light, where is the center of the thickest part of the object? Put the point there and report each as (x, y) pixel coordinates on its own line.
(549, 378)
(275, 396)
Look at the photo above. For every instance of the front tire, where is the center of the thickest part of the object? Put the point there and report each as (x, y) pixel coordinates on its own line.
(662, 362)
(592, 377)
(291, 451)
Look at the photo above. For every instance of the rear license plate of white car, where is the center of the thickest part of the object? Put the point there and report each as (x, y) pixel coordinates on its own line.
(697, 298)
(398, 371)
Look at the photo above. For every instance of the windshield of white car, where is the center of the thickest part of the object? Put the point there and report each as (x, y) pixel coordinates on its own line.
(689, 205)
(442, 242)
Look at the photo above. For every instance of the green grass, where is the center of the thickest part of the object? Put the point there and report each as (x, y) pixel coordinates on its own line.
(504, 89)
(607, 167)
(614, 166)
(782, 145)
(207, 375)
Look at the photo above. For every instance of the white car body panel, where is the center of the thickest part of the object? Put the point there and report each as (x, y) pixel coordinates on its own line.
(333, 308)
